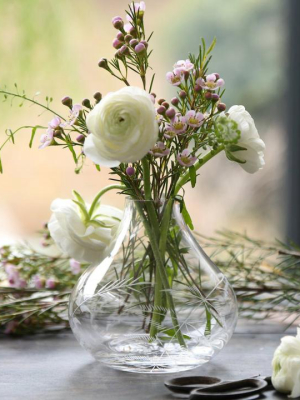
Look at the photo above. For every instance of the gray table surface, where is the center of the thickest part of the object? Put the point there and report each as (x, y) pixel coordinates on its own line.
(54, 367)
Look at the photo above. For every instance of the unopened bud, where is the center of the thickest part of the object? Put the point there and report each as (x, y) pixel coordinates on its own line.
(161, 110)
(215, 97)
(127, 38)
(160, 101)
(124, 51)
(118, 22)
(103, 63)
(133, 42)
(145, 43)
(97, 96)
(86, 103)
(182, 94)
(175, 101)
(170, 113)
(80, 138)
(132, 31)
(130, 171)
(117, 43)
(208, 95)
(140, 48)
(186, 75)
(198, 88)
(67, 101)
(120, 36)
(221, 106)
(153, 94)
(165, 104)
(217, 75)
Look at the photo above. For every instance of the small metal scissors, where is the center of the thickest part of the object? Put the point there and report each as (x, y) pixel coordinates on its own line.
(205, 387)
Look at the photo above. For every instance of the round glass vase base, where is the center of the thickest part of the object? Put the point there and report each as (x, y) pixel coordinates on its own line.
(139, 355)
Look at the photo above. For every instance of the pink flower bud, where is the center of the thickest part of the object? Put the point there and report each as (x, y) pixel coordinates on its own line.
(118, 22)
(128, 38)
(221, 107)
(117, 44)
(198, 88)
(124, 50)
(120, 36)
(67, 101)
(170, 113)
(161, 110)
(80, 138)
(133, 42)
(175, 101)
(208, 95)
(97, 97)
(50, 283)
(182, 94)
(103, 63)
(145, 43)
(130, 171)
(140, 48)
(215, 97)
(165, 104)
(75, 266)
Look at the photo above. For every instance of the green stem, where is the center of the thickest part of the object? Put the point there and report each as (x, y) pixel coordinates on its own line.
(100, 194)
(197, 165)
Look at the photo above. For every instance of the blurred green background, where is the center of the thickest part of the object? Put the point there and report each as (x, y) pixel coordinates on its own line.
(52, 47)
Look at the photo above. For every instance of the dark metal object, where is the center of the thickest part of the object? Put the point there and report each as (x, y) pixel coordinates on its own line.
(230, 390)
(199, 387)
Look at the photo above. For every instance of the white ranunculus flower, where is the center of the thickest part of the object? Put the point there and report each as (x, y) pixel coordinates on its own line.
(85, 242)
(123, 127)
(286, 366)
(254, 155)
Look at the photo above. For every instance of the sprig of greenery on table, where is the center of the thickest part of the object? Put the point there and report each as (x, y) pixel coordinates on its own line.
(266, 279)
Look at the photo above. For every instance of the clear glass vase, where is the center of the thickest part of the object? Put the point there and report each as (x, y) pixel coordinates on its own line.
(156, 303)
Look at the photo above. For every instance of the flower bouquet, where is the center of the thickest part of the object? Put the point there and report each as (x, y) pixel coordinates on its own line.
(151, 299)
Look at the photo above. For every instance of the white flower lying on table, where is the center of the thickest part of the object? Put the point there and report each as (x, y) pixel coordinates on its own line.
(286, 366)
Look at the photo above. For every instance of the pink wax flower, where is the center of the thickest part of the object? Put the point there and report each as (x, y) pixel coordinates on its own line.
(186, 159)
(73, 115)
(50, 283)
(194, 119)
(75, 266)
(46, 138)
(13, 277)
(211, 82)
(54, 123)
(39, 282)
(117, 22)
(177, 126)
(183, 66)
(175, 78)
(159, 150)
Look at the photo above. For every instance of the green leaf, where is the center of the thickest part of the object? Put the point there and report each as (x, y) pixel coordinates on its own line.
(79, 197)
(33, 132)
(187, 218)
(211, 47)
(231, 157)
(98, 167)
(172, 333)
(1, 167)
(208, 322)
(193, 175)
(83, 210)
(234, 147)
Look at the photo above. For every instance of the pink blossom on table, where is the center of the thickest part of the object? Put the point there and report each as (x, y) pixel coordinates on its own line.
(50, 283)
(13, 277)
(38, 282)
(75, 266)
(183, 66)
(10, 327)
(73, 115)
(175, 78)
(159, 150)
(186, 159)
(211, 82)
(194, 119)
